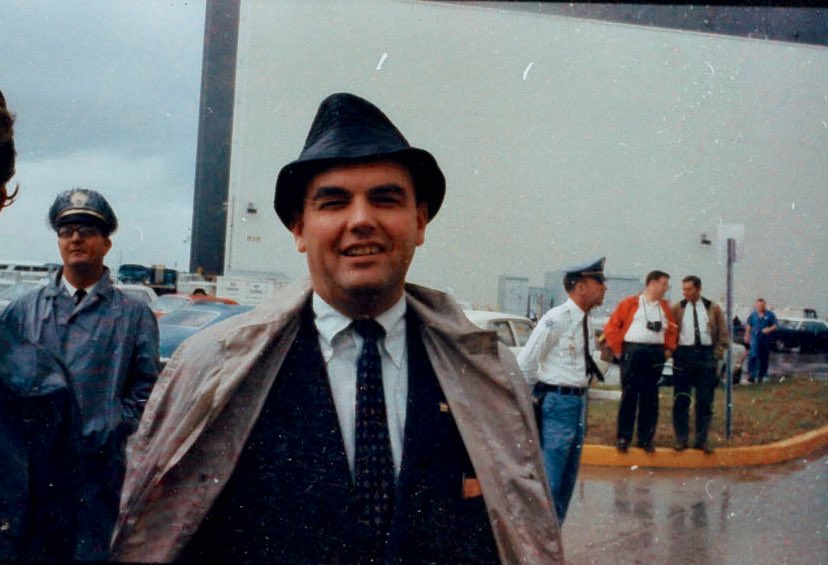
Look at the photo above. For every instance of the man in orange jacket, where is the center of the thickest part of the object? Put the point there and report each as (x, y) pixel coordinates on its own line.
(642, 334)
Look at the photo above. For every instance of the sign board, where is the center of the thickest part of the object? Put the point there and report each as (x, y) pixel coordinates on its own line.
(735, 232)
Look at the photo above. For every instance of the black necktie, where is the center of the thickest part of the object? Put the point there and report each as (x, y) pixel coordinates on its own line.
(697, 333)
(591, 368)
(373, 464)
(79, 295)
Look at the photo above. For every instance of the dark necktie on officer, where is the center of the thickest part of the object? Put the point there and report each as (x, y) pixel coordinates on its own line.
(373, 464)
(696, 331)
(591, 368)
(79, 296)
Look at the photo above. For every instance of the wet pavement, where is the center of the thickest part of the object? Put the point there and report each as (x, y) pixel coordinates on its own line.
(770, 514)
(790, 363)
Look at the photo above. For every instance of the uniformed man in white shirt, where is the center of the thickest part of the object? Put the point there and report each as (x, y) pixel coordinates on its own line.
(557, 362)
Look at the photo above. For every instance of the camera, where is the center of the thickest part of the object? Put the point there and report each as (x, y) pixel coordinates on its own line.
(654, 326)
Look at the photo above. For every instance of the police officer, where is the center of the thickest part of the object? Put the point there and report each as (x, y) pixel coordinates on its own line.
(557, 362)
(109, 345)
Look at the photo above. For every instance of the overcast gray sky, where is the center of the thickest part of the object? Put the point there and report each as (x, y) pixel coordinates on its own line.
(106, 94)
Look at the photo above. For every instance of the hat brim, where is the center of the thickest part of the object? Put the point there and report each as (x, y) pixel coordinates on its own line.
(84, 218)
(429, 181)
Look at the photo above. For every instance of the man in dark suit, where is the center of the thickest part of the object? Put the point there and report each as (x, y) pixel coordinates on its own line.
(358, 419)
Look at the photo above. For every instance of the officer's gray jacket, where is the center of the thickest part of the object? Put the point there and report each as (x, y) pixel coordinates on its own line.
(212, 391)
(108, 344)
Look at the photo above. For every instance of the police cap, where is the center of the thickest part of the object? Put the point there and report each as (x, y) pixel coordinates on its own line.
(82, 206)
(593, 269)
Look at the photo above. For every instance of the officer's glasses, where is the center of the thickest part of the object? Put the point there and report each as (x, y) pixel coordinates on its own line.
(66, 232)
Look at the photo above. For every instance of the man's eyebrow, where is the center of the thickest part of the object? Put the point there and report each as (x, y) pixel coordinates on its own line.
(386, 189)
(323, 192)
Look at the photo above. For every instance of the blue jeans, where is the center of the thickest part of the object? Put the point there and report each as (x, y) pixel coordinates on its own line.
(562, 438)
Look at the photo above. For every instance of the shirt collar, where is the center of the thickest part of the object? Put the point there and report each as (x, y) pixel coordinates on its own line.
(332, 324)
(575, 308)
(71, 289)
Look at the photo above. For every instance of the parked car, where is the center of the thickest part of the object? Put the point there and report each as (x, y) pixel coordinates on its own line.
(808, 334)
(139, 292)
(512, 331)
(18, 289)
(169, 302)
(181, 323)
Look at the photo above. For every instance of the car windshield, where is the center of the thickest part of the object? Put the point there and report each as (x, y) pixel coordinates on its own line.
(523, 331)
(137, 294)
(788, 324)
(188, 318)
(169, 303)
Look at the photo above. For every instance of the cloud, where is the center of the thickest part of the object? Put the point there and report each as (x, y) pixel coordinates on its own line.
(106, 95)
(153, 205)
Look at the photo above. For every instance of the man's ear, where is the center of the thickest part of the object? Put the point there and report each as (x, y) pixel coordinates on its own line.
(108, 243)
(422, 220)
(297, 229)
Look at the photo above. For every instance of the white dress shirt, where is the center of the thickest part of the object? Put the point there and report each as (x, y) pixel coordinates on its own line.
(647, 312)
(554, 353)
(71, 289)
(341, 346)
(687, 336)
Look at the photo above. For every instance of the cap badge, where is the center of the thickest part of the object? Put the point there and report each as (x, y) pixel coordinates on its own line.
(79, 199)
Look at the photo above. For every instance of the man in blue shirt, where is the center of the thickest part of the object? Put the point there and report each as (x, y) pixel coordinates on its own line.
(760, 324)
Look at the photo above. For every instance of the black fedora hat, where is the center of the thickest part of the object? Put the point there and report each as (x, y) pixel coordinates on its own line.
(349, 129)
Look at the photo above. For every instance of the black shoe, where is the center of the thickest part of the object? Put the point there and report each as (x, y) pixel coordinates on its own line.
(649, 448)
(704, 447)
(680, 446)
(621, 445)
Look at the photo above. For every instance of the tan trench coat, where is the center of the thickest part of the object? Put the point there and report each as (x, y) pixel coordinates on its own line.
(213, 389)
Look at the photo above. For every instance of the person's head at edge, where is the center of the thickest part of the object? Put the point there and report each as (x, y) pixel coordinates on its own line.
(7, 153)
(83, 221)
(656, 285)
(357, 201)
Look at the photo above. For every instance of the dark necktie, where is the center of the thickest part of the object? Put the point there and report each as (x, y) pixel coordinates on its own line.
(696, 332)
(79, 295)
(591, 368)
(373, 464)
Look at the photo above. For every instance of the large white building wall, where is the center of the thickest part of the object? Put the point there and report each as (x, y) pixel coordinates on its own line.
(560, 139)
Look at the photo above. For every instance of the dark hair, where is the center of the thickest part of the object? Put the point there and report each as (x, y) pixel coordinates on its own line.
(569, 282)
(692, 279)
(654, 276)
(760, 300)
(7, 153)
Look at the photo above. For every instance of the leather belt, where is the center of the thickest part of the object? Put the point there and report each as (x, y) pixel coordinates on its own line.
(561, 389)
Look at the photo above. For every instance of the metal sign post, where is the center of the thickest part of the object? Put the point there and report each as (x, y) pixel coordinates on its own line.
(731, 249)
(731, 255)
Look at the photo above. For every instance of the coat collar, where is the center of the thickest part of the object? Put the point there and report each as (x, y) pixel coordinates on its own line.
(103, 287)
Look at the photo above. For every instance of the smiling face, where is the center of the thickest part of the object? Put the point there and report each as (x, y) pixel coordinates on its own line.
(359, 228)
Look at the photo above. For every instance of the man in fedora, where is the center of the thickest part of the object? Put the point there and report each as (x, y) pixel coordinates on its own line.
(355, 419)
(108, 343)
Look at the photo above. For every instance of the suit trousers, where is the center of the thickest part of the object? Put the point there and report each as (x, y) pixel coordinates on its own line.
(694, 368)
(641, 367)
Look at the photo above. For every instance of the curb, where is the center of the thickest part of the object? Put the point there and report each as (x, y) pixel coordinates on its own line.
(666, 457)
